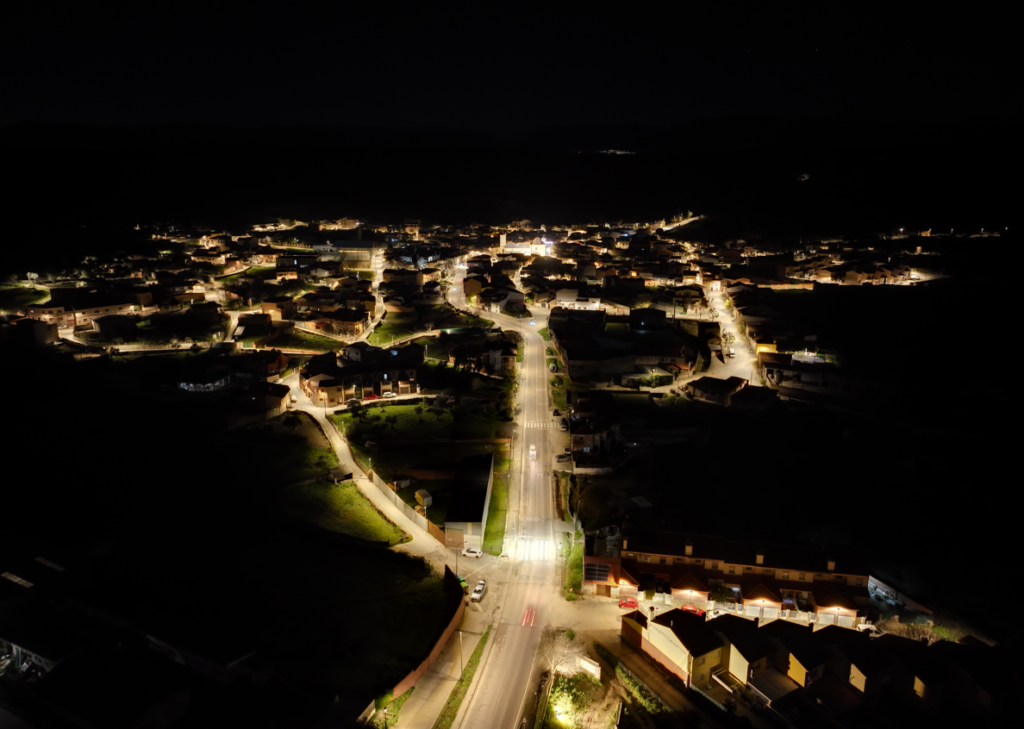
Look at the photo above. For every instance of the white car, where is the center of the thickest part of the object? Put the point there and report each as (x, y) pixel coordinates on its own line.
(390, 394)
(478, 591)
(472, 552)
(533, 453)
(562, 458)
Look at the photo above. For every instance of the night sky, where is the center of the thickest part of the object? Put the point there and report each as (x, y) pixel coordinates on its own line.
(498, 68)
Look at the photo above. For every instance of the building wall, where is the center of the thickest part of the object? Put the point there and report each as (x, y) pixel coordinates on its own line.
(796, 671)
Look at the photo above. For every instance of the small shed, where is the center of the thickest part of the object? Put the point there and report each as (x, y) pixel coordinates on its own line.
(423, 497)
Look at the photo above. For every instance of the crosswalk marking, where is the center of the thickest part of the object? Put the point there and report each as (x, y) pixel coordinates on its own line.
(536, 424)
(537, 550)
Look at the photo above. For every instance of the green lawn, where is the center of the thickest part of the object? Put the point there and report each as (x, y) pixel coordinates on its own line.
(545, 334)
(341, 508)
(18, 297)
(558, 398)
(260, 272)
(494, 538)
(273, 454)
(386, 332)
(296, 339)
(410, 425)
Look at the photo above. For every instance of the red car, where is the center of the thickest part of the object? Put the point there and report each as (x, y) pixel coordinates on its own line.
(692, 609)
(372, 397)
(628, 602)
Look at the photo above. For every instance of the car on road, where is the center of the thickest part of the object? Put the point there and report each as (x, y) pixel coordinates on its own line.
(567, 450)
(564, 427)
(562, 458)
(352, 401)
(372, 396)
(533, 323)
(555, 413)
(628, 602)
(479, 591)
(533, 453)
(692, 609)
(472, 552)
(389, 394)
(731, 352)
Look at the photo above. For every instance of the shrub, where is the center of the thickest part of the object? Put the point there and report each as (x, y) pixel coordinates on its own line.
(640, 692)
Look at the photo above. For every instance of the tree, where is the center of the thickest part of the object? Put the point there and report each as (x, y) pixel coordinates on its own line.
(558, 649)
(419, 412)
(391, 420)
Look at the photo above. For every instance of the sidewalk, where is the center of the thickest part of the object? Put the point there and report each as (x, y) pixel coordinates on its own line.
(432, 691)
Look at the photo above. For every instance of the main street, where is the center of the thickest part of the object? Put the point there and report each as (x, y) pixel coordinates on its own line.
(497, 696)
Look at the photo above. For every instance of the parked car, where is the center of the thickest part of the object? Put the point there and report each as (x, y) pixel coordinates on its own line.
(352, 401)
(389, 394)
(552, 368)
(533, 453)
(563, 426)
(562, 458)
(369, 443)
(478, 591)
(372, 396)
(692, 609)
(555, 413)
(567, 450)
(565, 422)
(628, 602)
(472, 552)
(533, 323)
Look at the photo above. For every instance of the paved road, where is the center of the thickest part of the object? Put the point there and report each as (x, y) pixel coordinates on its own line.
(499, 690)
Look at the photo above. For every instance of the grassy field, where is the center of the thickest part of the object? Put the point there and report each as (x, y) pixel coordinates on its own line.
(260, 272)
(13, 298)
(545, 334)
(558, 399)
(296, 339)
(386, 332)
(282, 451)
(341, 508)
(494, 532)
(412, 425)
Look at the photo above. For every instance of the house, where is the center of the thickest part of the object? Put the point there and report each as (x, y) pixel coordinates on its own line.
(766, 581)
(265, 362)
(346, 322)
(278, 307)
(715, 390)
(680, 641)
(749, 652)
(466, 519)
(269, 397)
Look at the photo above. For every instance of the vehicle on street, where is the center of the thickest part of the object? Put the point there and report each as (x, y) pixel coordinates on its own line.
(562, 458)
(389, 394)
(567, 450)
(555, 412)
(563, 427)
(372, 396)
(472, 552)
(369, 443)
(552, 368)
(731, 352)
(478, 591)
(293, 399)
(353, 401)
(692, 609)
(533, 323)
(628, 602)
(533, 453)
